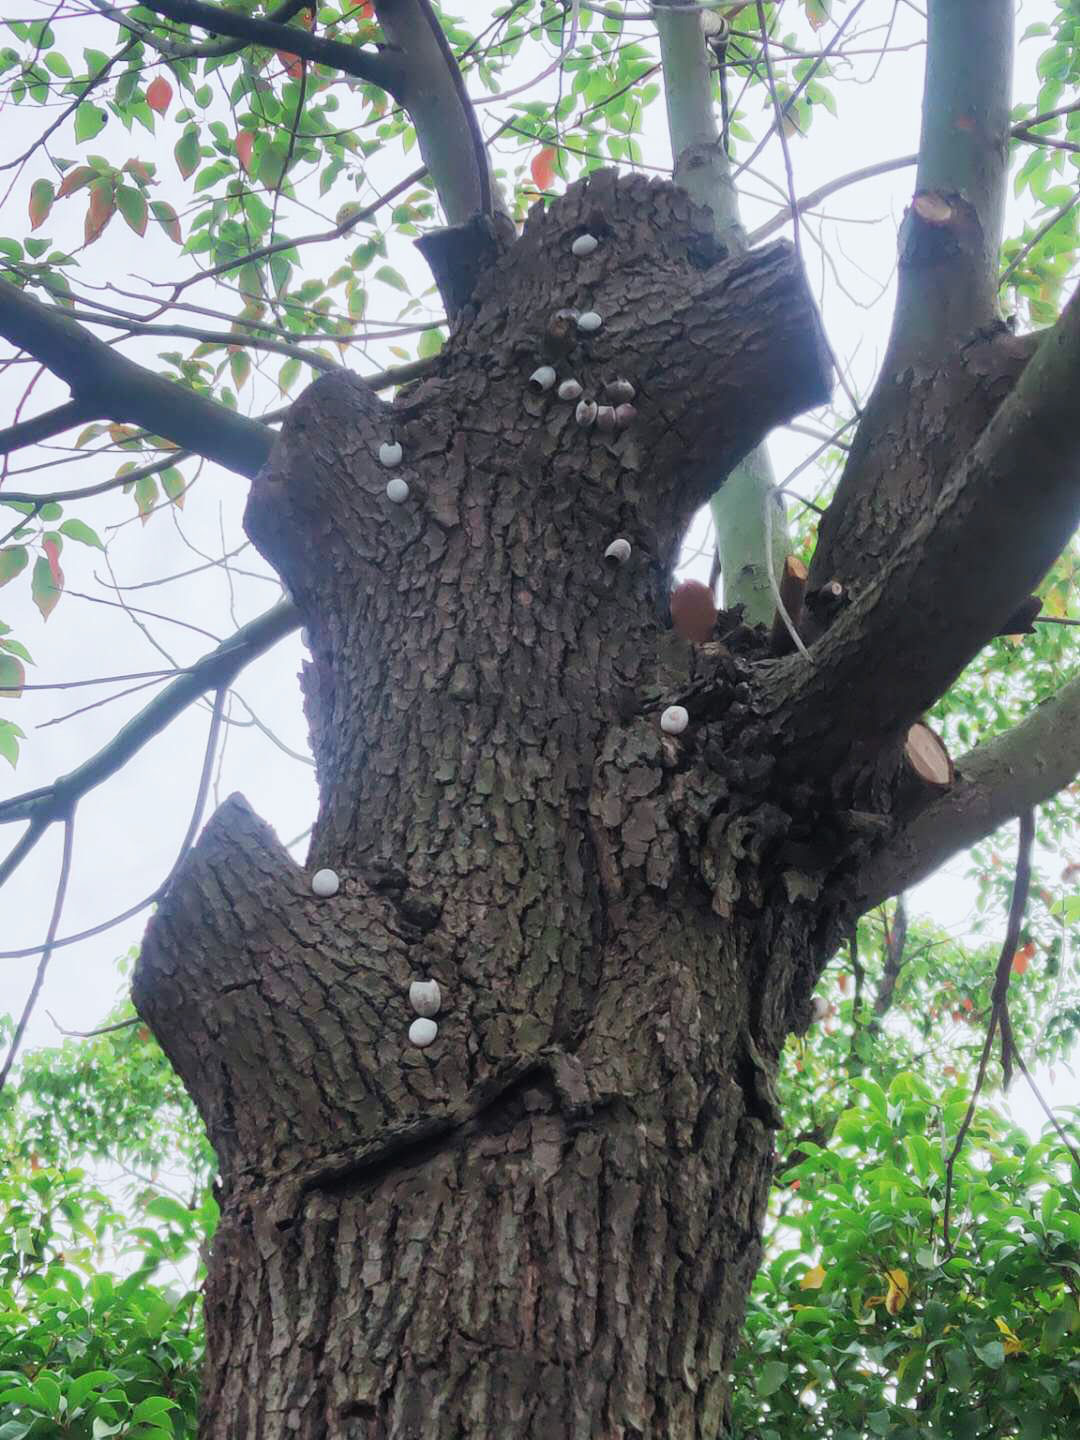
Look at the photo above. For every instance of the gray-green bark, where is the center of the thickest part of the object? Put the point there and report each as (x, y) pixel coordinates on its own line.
(746, 527)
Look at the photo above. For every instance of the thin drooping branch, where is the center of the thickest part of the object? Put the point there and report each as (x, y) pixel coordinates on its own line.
(203, 790)
(999, 1003)
(215, 670)
(957, 573)
(105, 383)
(384, 68)
(47, 949)
(995, 782)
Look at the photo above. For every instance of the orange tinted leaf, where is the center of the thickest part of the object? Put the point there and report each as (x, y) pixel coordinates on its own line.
(813, 1279)
(245, 142)
(52, 554)
(293, 68)
(100, 211)
(41, 199)
(76, 179)
(899, 1292)
(165, 215)
(543, 168)
(159, 94)
(841, 981)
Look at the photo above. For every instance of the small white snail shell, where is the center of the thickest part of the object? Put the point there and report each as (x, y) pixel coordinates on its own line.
(674, 720)
(390, 453)
(325, 883)
(422, 1032)
(584, 245)
(618, 552)
(618, 390)
(397, 490)
(605, 417)
(820, 1007)
(425, 997)
(624, 415)
(585, 414)
(589, 320)
(542, 379)
(569, 390)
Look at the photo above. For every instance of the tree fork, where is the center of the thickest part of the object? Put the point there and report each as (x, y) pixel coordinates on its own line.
(590, 1135)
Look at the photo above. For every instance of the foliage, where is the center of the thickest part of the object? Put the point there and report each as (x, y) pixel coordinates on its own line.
(100, 1315)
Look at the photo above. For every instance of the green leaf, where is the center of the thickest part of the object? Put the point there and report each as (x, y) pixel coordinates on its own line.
(44, 589)
(146, 496)
(186, 152)
(89, 121)
(165, 215)
(151, 1408)
(431, 342)
(991, 1354)
(131, 203)
(41, 199)
(13, 560)
(287, 375)
(770, 1377)
(389, 276)
(78, 530)
(12, 677)
(174, 485)
(79, 1389)
(958, 1369)
(10, 735)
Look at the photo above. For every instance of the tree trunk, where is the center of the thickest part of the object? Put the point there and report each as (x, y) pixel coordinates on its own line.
(545, 1224)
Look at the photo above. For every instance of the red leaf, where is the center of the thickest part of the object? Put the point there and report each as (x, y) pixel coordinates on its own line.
(693, 611)
(76, 179)
(101, 209)
(543, 168)
(245, 143)
(52, 554)
(41, 199)
(366, 10)
(159, 94)
(292, 64)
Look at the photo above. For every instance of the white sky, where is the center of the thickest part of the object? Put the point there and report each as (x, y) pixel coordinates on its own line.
(128, 831)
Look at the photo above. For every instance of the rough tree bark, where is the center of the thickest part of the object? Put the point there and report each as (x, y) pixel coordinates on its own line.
(547, 1223)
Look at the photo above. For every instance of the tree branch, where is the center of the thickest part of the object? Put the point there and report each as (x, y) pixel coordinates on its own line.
(109, 384)
(44, 426)
(215, 670)
(385, 69)
(995, 782)
(951, 235)
(958, 571)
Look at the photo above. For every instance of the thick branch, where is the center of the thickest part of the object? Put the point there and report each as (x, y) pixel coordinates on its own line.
(384, 69)
(106, 383)
(951, 236)
(995, 782)
(212, 672)
(746, 528)
(43, 427)
(1001, 519)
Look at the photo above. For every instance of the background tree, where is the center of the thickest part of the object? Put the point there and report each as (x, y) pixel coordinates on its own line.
(626, 917)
